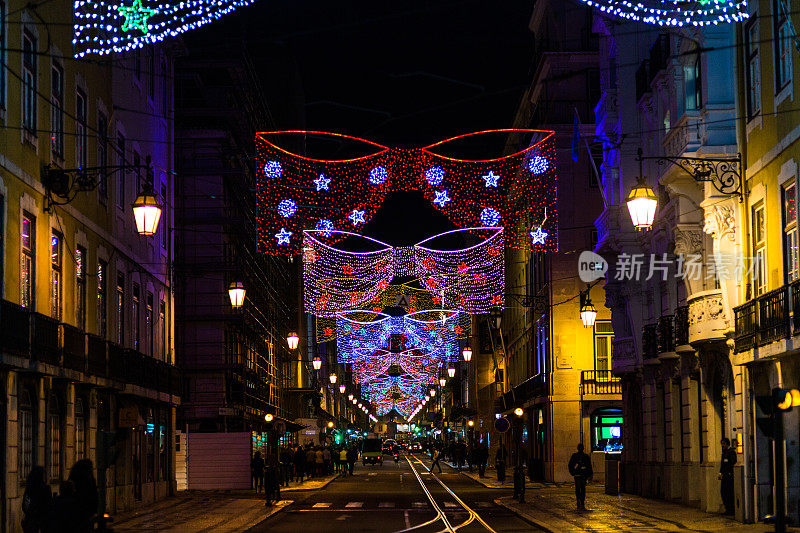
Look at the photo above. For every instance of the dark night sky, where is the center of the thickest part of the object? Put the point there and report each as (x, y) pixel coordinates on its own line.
(407, 73)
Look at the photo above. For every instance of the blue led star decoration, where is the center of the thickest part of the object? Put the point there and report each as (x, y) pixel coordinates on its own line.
(273, 169)
(490, 217)
(356, 217)
(441, 198)
(538, 236)
(283, 236)
(434, 176)
(322, 182)
(377, 175)
(286, 208)
(136, 16)
(324, 226)
(538, 165)
(491, 179)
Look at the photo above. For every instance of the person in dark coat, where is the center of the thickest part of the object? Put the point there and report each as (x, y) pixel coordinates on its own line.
(580, 468)
(311, 461)
(482, 454)
(726, 475)
(257, 471)
(37, 502)
(299, 463)
(352, 457)
(64, 518)
(86, 497)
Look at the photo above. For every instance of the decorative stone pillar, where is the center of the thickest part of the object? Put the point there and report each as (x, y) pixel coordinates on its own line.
(720, 223)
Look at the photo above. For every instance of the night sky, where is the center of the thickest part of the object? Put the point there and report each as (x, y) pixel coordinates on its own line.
(402, 73)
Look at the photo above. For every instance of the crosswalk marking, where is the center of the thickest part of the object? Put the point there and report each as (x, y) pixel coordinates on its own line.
(419, 505)
(321, 504)
(386, 504)
(354, 504)
(372, 474)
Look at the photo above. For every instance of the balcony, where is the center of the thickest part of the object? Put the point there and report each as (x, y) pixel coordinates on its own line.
(770, 317)
(708, 321)
(116, 362)
(15, 334)
(599, 382)
(96, 355)
(46, 346)
(74, 348)
(666, 334)
(650, 341)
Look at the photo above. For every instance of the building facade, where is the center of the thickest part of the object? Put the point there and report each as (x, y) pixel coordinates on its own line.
(87, 311)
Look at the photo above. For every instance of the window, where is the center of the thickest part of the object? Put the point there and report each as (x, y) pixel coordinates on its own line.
(603, 335)
(782, 32)
(163, 228)
(80, 429)
(81, 116)
(121, 172)
(80, 287)
(102, 316)
(29, 82)
(692, 84)
(121, 309)
(540, 356)
(28, 267)
(162, 315)
(148, 324)
(26, 434)
(790, 257)
(606, 430)
(753, 51)
(135, 318)
(102, 155)
(53, 439)
(55, 275)
(163, 446)
(759, 250)
(57, 111)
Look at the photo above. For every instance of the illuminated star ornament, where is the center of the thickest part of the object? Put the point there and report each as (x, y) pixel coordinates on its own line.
(674, 13)
(357, 217)
(538, 236)
(136, 16)
(322, 182)
(491, 179)
(441, 198)
(283, 236)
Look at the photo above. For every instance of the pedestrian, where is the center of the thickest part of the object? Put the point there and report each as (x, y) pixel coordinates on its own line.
(299, 463)
(352, 456)
(64, 517)
(580, 468)
(482, 454)
(460, 452)
(37, 502)
(257, 471)
(436, 456)
(500, 459)
(286, 465)
(726, 475)
(319, 459)
(326, 460)
(86, 497)
(343, 461)
(311, 462)
(271, 487)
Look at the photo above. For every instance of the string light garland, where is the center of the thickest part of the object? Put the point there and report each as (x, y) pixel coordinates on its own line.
(674, 13)
(469, 279)
(512, 190)
(118, 26)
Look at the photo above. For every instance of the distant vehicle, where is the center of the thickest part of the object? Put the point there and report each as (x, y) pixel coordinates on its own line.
(371, 451)
(388, 445)
(414, 446)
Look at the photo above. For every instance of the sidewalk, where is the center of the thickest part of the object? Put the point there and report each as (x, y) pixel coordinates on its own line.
(490, 480)
(314, 483)
(553, 509)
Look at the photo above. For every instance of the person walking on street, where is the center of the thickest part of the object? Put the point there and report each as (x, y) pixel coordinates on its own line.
(37, 502)
(343, 461)
(64, 517)
(436, 456)
(352, 456)
(580, 468)
(299, 463)
(500, 459)
(257, 471)
(311, 462)
(319, 459)
(482, 454)
(85, 493)
(326, 460)
(726, 475)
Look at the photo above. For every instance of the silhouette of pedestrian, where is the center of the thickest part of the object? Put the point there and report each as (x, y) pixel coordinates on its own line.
(580, 468)
(726, 475)
(257, 471)
(64, 518)
(436, 456)
(85, 493)
(37, 502)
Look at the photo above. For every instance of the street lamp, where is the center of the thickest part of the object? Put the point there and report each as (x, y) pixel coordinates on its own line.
(292, 339)
(317, 363)
(451, 370)
(442, 381)
(268, 417)
(518, 411)
(588, 313)
(467, 354)
(236, 292)
(350, 397)
(342, 388)
(333, 378)
(147, 212)
(433, 393)
(471, 423)
(330, 424)
(642, 201)
(496, 315)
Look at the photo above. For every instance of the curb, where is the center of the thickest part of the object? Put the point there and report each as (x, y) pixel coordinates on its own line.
(525, 516)
(479, 480)
(289, 489)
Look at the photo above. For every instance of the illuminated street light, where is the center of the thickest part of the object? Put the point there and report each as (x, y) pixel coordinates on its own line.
(467, 354)
(518, 411)
(333, 378)
(147, 212)
(642, 203)
(268, 417)
(471, 423)
(236, 292)
(588, 313)
(350, 397)
(433, 393)
(317, 362)
(342, 388)
(442, 381)
(292, 339)
(330, 424)
(451, 370)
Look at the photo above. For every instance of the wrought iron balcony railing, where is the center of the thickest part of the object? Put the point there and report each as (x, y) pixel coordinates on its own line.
(600, 382)
(666, 333)
(682, 325)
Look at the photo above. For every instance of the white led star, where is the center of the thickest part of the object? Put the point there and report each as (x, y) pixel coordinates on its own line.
(322, 182)
(538, 236)
(441, 198)
(356, 217)
(283, 236)
(491, 179)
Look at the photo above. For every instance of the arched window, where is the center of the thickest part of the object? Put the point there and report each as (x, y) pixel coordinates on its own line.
(607, 430)
(53, 439)
(80, 429)
(26, 434)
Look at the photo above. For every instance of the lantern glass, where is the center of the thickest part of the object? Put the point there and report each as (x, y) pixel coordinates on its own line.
(333, 377)
(341, 388)
(350, 397)
(292, 339)
(146, 212)
(317, 362)
(451, 371)
(467, 354)
(236, 292)
(442, 382)
(642, 203)
(588, 314)
(433, 393)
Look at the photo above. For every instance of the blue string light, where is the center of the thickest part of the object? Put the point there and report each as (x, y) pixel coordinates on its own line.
(441, 198)
(491, 179)
(356, 217)
(538, 236)
(322, 182)
(324, 226)
(273, 169)
(675, 13)
(538, 165)
(434, 176)
(283, 236)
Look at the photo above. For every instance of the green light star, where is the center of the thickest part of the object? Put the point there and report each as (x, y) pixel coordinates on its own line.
(136, 16)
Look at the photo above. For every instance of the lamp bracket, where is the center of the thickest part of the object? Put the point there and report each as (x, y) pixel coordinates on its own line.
(62, 185)
(725, 174)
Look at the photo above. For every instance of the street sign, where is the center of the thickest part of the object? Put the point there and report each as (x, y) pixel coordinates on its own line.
(502, 424)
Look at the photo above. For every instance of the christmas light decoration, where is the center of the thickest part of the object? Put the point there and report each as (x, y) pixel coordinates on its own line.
(675, 12)
(287, 208)
(470, 279)
(283, 236)
(538, 236)
(106, 27)
(513, 190)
